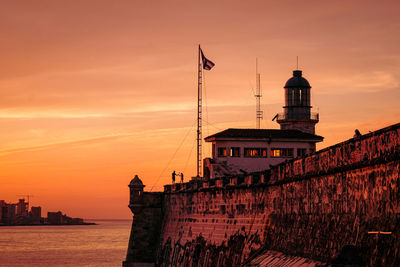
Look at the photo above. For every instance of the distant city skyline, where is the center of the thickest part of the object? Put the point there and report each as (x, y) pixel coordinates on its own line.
(92, 93)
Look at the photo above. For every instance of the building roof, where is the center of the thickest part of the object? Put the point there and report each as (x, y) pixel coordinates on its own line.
(136, 181)
(263, 134)
(297, 81)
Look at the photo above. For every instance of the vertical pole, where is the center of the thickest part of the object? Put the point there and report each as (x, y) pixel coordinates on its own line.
(257, 98)
(199, 115)
(259, 114)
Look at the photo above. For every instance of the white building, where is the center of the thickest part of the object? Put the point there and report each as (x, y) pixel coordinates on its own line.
(239, 151)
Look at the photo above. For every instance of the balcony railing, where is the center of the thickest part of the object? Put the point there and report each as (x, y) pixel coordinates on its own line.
(282, 116)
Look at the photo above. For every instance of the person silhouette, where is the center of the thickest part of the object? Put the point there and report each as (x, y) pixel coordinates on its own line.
(357, 134)
(173, 176)
(181, 177)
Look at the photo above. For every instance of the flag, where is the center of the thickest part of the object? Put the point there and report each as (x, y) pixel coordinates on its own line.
(207, 64)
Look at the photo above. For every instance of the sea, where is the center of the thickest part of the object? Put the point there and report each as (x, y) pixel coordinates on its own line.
(104, 244)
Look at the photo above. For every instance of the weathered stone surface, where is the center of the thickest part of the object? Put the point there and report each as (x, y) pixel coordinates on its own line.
(271, 258)
(145, 232)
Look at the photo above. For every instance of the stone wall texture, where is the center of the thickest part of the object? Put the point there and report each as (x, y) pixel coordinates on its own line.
(309, 207)
(145, 232)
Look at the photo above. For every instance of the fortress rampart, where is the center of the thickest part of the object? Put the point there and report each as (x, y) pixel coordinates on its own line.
(309, 207)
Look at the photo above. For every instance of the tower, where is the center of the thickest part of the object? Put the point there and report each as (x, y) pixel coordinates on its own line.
(297, 113)
(136, 194)
(258, 95)
(146, 225)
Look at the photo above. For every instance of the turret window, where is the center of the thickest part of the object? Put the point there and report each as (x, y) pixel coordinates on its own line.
(292, 102)
(301, 97)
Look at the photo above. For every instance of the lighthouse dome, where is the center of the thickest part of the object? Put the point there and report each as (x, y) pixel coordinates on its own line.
(297, 81)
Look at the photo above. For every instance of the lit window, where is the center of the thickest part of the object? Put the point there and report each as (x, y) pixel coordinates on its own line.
(282, 152)
(264, 152)
(235, 152)
(250, 152)
(275, 153)
(222, 152)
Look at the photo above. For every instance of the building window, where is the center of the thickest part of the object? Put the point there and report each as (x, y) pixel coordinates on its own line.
(235, 152)
(264, 152)
(282, 152)
(275, 153)
(301, 152)
(250, 152)
(222, 152)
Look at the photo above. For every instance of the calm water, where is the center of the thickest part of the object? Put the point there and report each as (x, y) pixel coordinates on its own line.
(80, 245)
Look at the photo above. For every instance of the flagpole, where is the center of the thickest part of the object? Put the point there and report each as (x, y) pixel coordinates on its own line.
(199, 115)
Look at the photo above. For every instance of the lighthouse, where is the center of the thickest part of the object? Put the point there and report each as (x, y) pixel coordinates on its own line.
(297, 113)
(241, 151)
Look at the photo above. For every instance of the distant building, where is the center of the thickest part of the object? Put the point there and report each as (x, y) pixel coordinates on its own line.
(7, 213)
(2, 204)
(36, 214)
(54, 217)
(22, 208)
(59, 218)
(239, 151)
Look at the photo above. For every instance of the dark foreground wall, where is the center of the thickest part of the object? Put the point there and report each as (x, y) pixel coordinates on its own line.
(309, 207)
(146, 226)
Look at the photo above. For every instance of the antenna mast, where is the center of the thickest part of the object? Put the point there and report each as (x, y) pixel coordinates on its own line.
(258, 95)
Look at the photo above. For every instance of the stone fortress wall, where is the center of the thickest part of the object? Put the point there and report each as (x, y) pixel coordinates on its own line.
(309, 207)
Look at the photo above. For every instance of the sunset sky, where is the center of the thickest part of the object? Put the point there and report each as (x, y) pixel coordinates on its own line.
(94, 92)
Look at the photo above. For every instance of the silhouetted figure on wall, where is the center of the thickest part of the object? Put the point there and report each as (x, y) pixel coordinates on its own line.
(181, 177)
(173, 176)
(357, 134)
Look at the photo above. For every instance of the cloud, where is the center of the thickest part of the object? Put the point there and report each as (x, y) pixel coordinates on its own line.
(142, 135)
(368, 82)
(55, 145)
